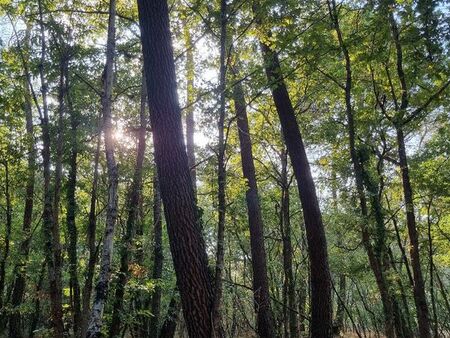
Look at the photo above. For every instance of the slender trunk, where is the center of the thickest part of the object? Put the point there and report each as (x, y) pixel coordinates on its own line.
(62, 89)
(101, 289)
(255, 220)
(51, 242)
(321, 305)
(419, 285)
(7, 238)
(35, 317)
(443, 291)
(285, 224)
(340, 313)
(91, 231)
(375, 257)
(221, 176)
(71, 215)
(186, 241)
(170, 323)
(158, 258)
(190, 93)
(18, 288)
(133, 208)
(431, 267)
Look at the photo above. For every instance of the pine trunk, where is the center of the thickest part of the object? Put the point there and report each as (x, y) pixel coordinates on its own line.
(177, 193)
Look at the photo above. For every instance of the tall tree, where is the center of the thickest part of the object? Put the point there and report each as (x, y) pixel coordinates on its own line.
(221, 173)
(19, 283)
(50, 229)
(158, 257)
(72, 209)
(375, 255)
(133, 206)
(101, 289)
(259, 264)
(321, 306)
(186, 242)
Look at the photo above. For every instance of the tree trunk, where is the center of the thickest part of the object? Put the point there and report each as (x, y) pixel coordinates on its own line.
(259, 265)
(18, 288)
(419, 285)
(321, 305)
(375, 258)
(133, 208)
(101, 289)
(431, 267)
(92, 248)
(170, 323)
(71, 212)
(7, 238)
(158, 258)
(221, 176)
(51, 235)
(285, 225)
(190, 93)
(186, 241)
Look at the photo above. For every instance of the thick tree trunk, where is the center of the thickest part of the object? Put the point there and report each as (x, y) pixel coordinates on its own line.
(158, 258)
(51, 234)
(255, 221)
(321, 305)
(18, 288)
(101, 289)
(133, 208)
(71, 212)
(186, 242)
(221, 176)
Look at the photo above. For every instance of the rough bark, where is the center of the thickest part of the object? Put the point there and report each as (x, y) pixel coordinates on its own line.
(186, 242)
(321, 305)
(101, 289)
(259, 264)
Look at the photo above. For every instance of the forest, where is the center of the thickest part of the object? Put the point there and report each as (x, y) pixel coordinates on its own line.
(225, 168)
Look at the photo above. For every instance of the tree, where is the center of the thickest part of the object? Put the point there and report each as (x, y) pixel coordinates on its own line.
(186, 242)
